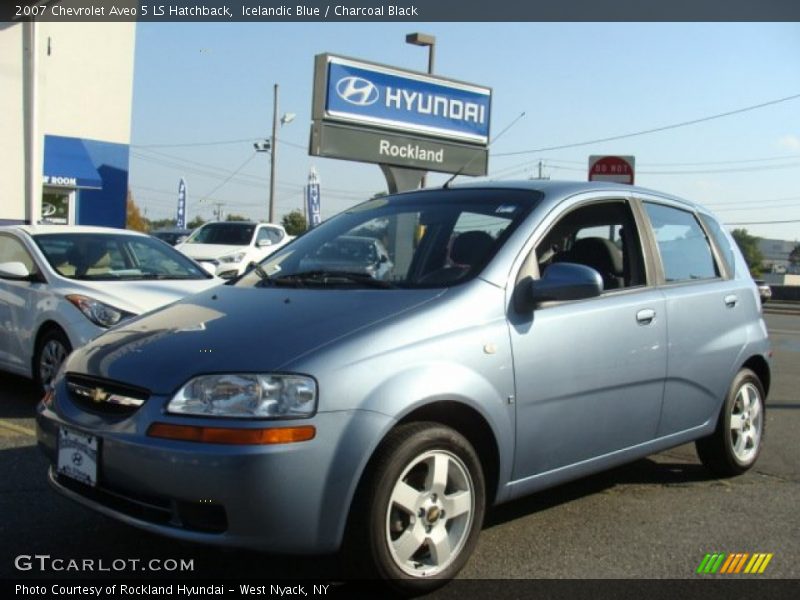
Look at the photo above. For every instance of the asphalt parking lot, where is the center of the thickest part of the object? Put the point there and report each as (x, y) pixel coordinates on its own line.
(656, 518)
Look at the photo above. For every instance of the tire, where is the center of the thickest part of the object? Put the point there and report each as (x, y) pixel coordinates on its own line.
(736, 443)
(51, 351)
(419, 510)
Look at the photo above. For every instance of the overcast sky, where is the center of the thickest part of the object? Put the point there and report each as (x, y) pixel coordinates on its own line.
(203, 95)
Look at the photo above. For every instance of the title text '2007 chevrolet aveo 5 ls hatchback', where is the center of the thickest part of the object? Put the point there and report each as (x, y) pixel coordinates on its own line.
(526, 334)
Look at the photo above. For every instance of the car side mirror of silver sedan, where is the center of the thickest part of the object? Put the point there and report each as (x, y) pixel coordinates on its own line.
(14, 270)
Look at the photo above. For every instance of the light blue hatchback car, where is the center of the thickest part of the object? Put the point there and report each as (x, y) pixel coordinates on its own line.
(526, 334)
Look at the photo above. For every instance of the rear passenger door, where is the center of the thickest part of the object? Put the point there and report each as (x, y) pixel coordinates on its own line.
(705, 305)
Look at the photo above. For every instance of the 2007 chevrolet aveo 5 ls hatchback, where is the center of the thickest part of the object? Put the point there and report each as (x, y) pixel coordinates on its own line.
(526, 334)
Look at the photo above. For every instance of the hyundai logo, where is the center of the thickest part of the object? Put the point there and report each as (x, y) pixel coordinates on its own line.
(357, 90)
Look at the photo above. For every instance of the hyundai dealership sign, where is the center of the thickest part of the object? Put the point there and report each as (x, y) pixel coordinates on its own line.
(361, 108)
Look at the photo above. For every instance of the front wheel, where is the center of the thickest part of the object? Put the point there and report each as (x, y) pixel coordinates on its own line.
(736, 443)
(52, 350)
(419, 512)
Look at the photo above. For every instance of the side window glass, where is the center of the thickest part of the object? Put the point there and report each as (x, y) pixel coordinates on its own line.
(684, 248)
(269, 234)
(12, 250)
(722, 241)
(602, 236)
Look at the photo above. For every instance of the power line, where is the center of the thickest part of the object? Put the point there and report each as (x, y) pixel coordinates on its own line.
(214, 143)
(784, 199)
(192, 144)
(654, 129)
(249, 158)
(764, 222)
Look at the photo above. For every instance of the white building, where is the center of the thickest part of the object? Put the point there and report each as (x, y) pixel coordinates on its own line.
(65, 97)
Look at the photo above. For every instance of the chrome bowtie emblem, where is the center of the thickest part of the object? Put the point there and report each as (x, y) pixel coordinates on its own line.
(99, 395)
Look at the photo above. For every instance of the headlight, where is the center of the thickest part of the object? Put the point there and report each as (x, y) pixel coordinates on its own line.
(233, 258)
(97, 312)
(247, 395)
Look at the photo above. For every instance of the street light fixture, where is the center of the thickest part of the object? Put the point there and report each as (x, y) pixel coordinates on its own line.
(424, 39)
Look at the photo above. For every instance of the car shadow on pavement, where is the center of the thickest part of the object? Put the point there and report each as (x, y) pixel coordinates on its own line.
(645, 471)
(19, 397)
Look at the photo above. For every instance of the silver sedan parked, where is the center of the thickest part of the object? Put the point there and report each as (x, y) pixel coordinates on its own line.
(527, 334)
(61, 286)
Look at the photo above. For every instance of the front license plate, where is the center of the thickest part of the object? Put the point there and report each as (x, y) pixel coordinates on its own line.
(77, 455)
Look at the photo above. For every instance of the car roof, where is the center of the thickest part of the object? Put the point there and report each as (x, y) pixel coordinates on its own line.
(68, 229)
(555, 190)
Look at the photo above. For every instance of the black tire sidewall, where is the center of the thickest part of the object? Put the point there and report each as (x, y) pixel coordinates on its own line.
(53, 333)
(389, 468)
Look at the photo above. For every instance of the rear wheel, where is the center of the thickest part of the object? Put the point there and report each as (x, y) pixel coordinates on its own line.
(736, 443)
(418, 515)
(51, 351)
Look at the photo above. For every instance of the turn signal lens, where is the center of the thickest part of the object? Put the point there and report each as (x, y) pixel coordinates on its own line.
(230, 435)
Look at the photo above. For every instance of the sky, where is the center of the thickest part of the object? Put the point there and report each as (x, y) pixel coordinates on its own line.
(203, 94)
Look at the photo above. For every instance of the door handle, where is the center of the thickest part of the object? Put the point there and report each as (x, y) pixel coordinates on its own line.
(645, 316)
(731, 300)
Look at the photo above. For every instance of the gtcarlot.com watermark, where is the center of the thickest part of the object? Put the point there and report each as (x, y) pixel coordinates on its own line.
(45, 563)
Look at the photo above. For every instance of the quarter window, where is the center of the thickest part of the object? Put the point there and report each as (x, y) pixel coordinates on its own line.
(722, 241)
(685, 251)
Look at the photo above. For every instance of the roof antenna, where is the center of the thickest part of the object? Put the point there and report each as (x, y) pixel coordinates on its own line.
(447, 183)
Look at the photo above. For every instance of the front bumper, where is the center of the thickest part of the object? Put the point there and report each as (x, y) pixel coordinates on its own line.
(290, 498)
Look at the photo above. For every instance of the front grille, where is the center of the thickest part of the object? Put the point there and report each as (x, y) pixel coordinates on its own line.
(105, 397)
(213, 261)
(191, 516)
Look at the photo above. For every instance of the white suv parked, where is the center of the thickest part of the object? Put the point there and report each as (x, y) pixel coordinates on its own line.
(232, 245)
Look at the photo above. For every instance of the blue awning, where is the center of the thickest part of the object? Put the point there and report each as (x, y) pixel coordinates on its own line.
(67, 164)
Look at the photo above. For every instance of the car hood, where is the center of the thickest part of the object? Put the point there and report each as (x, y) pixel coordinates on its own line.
(138, 297)
(200, 251)
(232, 329)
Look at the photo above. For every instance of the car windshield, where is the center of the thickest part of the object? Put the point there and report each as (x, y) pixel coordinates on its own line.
(109, 257)
(433, 238)
(228, 234)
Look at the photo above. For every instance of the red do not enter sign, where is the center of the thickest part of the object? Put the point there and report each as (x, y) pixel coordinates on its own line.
(619, 169)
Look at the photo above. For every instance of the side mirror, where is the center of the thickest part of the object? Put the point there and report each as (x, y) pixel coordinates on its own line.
(14, 270)
(560, 282)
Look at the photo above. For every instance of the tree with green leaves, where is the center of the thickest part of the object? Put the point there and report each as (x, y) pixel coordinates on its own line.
(748, 244)
(235, 217)
(196, 222)
(294, 222)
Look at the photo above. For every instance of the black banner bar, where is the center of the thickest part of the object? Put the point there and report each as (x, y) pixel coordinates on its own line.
(400, 10)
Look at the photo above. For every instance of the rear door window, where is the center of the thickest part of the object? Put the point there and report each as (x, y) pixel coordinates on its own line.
(684, 248)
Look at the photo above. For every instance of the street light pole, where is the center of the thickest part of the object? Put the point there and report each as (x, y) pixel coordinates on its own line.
(274, 151)
(424, 39)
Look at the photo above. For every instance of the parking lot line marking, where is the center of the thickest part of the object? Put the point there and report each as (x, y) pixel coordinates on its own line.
(17, 429)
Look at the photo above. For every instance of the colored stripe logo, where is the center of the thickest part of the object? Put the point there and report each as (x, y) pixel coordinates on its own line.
(734, 563)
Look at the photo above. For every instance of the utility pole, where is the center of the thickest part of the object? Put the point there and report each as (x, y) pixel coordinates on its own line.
(272, 156)
(541, 171)
(218, 210)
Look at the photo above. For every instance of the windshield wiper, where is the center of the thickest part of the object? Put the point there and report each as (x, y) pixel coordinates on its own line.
(325, 277)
